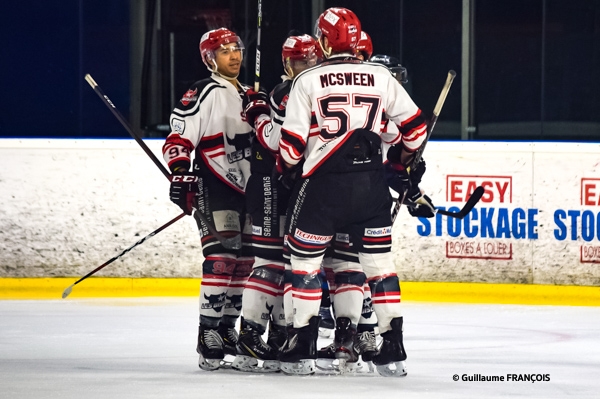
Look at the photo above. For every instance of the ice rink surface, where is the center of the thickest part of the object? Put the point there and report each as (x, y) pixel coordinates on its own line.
(145, 348)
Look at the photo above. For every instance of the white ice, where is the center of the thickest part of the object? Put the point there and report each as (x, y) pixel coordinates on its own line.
(145, 348)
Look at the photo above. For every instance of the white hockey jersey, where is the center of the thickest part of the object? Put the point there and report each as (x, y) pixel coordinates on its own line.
(328, 102)
(207, 119)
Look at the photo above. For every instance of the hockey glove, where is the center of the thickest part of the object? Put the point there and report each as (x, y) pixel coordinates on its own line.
(416, 172)
(254, 104)
(184, 191)
(397, 178)
(424, 208)
(287, 175)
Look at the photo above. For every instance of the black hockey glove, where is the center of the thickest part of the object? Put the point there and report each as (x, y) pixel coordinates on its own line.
(397, 178)
(254, 104)
(424, 208)
(416, 172)
(184, 191)
(286, 175)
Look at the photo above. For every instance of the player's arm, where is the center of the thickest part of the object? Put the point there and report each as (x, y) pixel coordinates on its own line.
(295, 129)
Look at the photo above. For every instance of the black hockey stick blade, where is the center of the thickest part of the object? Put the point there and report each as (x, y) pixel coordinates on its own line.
(68, 290)
(471, 202)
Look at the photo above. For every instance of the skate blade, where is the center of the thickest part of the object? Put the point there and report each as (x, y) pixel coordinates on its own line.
(209, 364)
(301, 367)
(335, 366)
(250, 364)
(395, 369)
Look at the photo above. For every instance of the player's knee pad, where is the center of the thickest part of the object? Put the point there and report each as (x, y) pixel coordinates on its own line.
(350, 278)
(270, 275)
(384, 286)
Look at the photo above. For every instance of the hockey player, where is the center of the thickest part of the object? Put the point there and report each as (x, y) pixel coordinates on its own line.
(206, 122)
(334, 122)
(341, 263)
(267, 201)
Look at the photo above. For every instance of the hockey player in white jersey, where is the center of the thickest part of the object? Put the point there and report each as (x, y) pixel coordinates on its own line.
(267, 201)
(335, 116)
(206, 122)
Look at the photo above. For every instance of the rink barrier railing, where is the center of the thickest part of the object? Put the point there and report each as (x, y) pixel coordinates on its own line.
(101, 287)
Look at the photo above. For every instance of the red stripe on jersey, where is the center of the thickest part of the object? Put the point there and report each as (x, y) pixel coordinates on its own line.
(377, 239)
(407, 121)
(263, 282)
(380, 301)
(381, 277)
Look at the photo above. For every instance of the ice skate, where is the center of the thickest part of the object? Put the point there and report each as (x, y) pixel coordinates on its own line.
(390, 359)
(367, 347)
(300, 350)
(210, 348)
(344, 342)
(252, 353)
(326, 357)
(277, 336)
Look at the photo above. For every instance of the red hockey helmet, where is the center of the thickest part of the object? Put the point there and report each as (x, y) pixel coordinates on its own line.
(364, 46)
(300, 52)
(213, 40)
(341, 27)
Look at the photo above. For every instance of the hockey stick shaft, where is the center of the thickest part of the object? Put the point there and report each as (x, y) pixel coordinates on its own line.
(257, 63)
(230, 243)
(68, 290)
(436, 113)
(126, 125)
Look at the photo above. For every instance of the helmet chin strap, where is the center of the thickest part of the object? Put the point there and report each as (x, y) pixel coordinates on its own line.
(326, 52)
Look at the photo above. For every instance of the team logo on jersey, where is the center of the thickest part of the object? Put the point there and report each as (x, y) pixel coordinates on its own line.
(178, 125)
(311, 238)
(284, 102)
(380, 232)
(189, 96)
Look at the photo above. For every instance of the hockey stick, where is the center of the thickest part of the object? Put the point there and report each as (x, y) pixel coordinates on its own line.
(257, 63)
(68, 290)
(471, 202)
(229, 243)
(430, 126)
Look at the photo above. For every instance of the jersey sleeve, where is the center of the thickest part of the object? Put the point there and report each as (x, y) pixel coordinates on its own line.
(404, 113)
(296, 127)
(268, 128)
(185, 122)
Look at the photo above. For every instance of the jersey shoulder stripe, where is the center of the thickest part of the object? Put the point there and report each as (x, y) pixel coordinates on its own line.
(190, 103)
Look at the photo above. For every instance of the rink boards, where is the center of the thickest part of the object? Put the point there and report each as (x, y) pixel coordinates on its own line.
(70, 205)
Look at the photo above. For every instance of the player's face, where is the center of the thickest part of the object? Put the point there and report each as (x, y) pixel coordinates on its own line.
(229, 60)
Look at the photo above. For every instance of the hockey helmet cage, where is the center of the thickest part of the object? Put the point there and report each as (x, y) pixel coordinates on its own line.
(393, 65)
(215, 39)
(341, 27)
(364, 46)
(300, 49)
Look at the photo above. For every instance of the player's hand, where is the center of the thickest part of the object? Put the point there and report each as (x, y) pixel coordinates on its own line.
(184, 191)
(424, 208)
(254, 104)
(397, 178)
(416, 172)
(286, 174)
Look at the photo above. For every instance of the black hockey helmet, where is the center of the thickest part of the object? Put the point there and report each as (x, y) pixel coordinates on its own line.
(393, 64)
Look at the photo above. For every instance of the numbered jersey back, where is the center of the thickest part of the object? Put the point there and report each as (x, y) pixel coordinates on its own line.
(329, 102)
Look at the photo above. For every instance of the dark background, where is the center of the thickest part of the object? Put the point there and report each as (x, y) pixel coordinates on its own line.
(536, 62)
